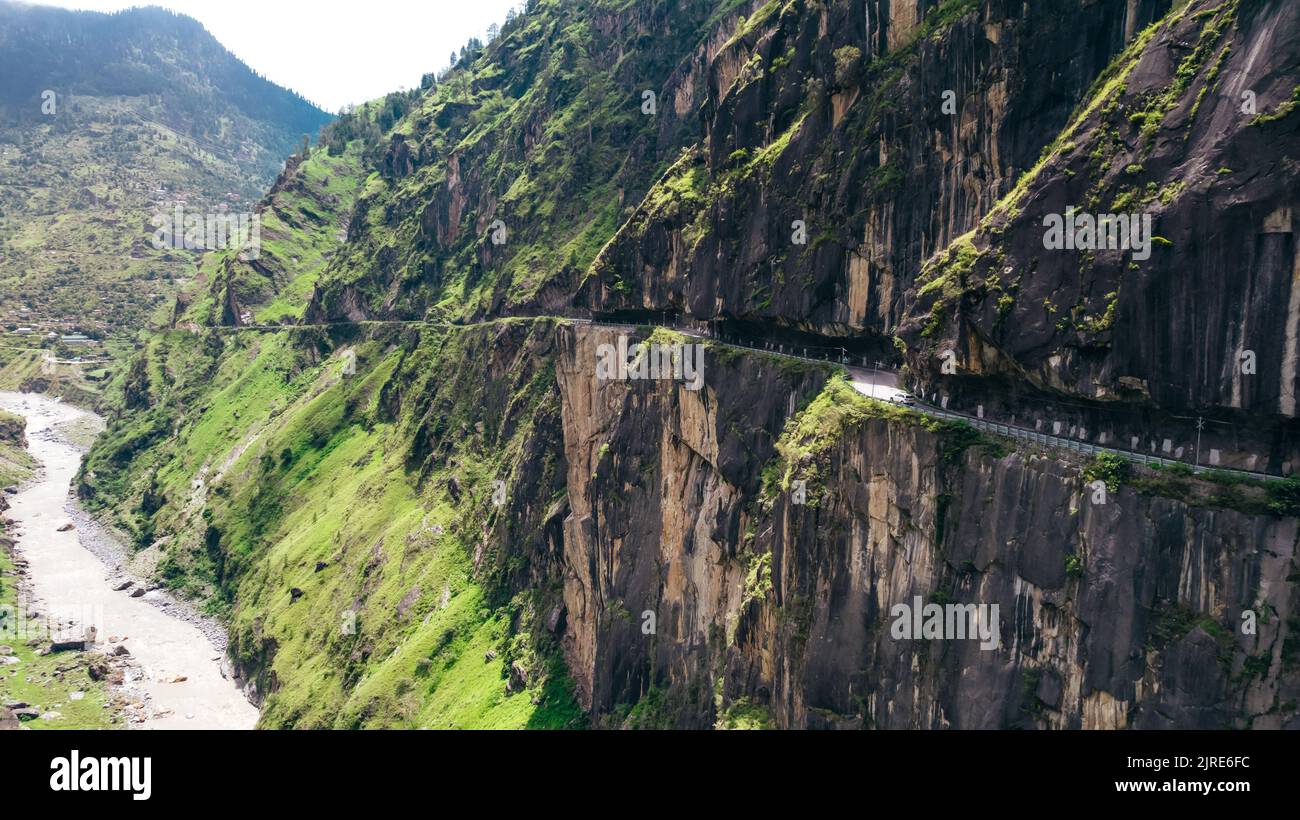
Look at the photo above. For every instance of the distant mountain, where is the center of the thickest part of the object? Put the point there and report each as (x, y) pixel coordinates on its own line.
(142, 51)
(107, 120)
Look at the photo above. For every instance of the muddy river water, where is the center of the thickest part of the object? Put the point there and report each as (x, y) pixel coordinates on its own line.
(179, 671)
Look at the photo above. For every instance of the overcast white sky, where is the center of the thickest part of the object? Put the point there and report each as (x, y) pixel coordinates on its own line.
(337, 51)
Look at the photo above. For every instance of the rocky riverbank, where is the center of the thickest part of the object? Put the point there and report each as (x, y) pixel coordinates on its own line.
(163, 662)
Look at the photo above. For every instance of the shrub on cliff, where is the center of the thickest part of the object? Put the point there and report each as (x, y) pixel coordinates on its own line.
(1284, 496)
(1109, 469)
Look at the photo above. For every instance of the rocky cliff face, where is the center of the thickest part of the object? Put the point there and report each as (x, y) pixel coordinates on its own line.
(885, 129)
(1195, 128)
(659, 482)
(1144, 633)
(1123, 613)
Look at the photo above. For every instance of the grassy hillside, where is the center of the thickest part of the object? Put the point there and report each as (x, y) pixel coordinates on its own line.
(344, 524)
(304, 225)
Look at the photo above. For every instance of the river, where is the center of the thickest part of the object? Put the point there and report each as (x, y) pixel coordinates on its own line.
(178, 665)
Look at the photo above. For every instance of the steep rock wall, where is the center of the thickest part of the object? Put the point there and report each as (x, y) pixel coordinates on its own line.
(827, 113)
(1197, 129)
(658, 479)
(1123, 614)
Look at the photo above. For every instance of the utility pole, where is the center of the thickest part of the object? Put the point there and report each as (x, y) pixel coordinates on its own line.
(1200, 425)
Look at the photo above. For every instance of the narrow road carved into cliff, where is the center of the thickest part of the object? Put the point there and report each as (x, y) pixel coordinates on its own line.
(876, 382)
